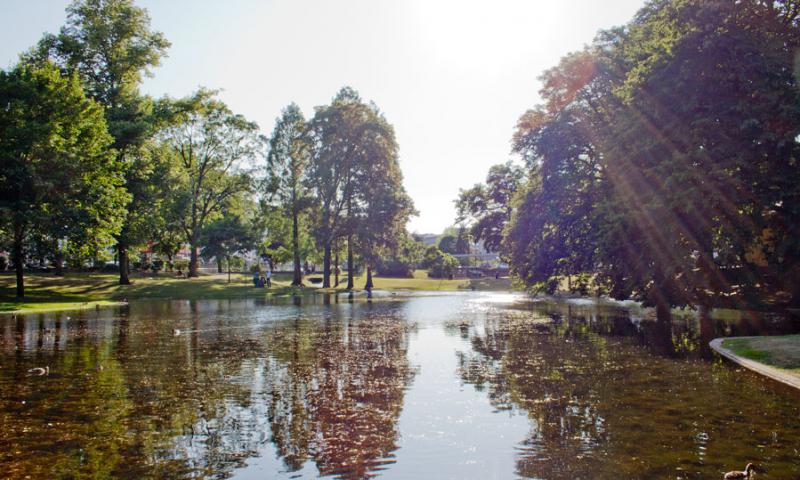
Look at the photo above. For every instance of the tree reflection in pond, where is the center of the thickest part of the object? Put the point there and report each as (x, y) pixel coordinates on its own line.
(596, 406)
(316, 387)
(336, 392)
(127, 399)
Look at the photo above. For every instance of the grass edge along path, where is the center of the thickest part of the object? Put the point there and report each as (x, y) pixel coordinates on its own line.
(82, 290)
(762, 349)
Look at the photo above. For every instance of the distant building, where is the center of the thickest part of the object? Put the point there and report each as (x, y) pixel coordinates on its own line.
(428, 238)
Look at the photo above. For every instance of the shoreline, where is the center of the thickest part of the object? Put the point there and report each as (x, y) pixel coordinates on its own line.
(85, 291)
(773, 373)
(67, 306)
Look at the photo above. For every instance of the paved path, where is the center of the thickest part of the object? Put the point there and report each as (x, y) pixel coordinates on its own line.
(758, 367)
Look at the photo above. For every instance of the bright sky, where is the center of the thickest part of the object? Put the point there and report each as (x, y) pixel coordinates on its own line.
(453, 76)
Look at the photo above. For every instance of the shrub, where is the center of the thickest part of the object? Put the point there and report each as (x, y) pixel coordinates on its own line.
(237, 263)
(182, 265)
(395, 268)
(430, 256)
(444, 266)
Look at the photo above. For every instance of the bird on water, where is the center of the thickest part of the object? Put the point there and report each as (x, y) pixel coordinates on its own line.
(39, 371)
(736, 475)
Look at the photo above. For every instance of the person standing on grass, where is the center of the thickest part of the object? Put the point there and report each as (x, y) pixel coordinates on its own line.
(269, 277)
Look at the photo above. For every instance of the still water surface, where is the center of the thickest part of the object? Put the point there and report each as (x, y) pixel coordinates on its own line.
(457, 385)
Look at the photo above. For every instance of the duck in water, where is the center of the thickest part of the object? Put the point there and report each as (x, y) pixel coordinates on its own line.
(736, 475)
(39, 371)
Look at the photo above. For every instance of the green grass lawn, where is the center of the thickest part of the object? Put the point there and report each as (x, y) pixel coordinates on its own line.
(84, 290)
(778, 351)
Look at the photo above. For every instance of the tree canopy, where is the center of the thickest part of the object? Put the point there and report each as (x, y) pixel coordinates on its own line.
(663, 153)
(58, 174)
(215, 150)
(355, 178)
(286, 176)
(487, 208)
(110, 46)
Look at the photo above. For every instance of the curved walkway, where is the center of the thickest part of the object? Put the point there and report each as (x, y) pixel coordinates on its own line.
(758, 367)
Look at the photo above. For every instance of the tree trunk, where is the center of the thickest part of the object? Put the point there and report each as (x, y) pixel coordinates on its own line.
(59, 261)
(228, 260)
(297, 277)
(122, 252)
(326, 265)
(336, 266)
(662, 331)
(663, 314)
(219, 265)
(350, 268)
(169, 262)
(19, 259)
(369, 285)
(193, 260)
(706, 330)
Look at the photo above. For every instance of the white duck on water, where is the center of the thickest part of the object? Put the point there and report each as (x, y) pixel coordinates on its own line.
(737, 475)
(39, 371)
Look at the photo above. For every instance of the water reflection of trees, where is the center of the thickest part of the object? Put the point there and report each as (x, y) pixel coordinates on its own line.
(585, 380)
(117, 395)
(127, 399)
(336, 392)
(512, 359)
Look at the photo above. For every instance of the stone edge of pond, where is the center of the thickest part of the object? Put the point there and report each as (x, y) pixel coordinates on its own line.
(758, 367)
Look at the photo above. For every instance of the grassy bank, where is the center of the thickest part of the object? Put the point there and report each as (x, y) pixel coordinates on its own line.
(83, 290)
(779, 351)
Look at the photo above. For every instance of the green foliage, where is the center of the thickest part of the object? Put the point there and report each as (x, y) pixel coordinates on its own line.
(213, 147)
(455, 241)
(277, 237)
(662, 155)
(443, 266)
(286, 181)
(58, 174)
(487, 208)
(110, 46)
(355, 178)
(226, 236)
(182, 265)
(403, 261)
(429, 257)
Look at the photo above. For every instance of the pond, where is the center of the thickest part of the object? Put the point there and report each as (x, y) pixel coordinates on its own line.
(455, 385)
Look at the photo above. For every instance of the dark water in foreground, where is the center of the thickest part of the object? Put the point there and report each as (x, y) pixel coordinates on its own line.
(462, 385)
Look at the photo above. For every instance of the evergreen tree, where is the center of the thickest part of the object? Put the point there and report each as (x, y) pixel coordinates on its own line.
(287, 162)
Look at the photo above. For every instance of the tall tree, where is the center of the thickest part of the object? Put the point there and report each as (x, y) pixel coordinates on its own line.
(381, 201)
(58, 173)
(334, 138)
(354, 154)
(111, 46)
(487, 208)
(287, 162)
(663, 154)
(214, 148)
